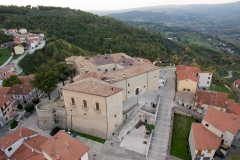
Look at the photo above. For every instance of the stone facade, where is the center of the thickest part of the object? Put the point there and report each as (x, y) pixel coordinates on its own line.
(103, 122)
(52, 117)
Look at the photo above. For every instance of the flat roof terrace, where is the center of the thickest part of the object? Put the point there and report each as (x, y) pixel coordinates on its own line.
(48, 105)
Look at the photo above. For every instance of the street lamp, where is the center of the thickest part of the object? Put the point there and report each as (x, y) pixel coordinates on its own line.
(94, 156)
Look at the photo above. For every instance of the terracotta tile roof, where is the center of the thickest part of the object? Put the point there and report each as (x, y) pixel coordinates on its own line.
(36, 157)
(4, 90)
(27, 78)
(15, 136)
(24, 153)
(3, 155)
(233, 107)
(205, 139)
(222, 121)
(4, 98)
(143, 60)
(19, 45)
(36, 142)
(131, 71)
(67, 147)
(23, 88)
(71, 59)
(86, 75)
(92, 86)
(187, 72)
(217, 99)
(119, 56)
(103, 59)
(237, 82)
(85, 63)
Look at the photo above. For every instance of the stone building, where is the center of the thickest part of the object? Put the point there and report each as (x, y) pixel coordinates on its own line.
(134, 76)
(93, 107)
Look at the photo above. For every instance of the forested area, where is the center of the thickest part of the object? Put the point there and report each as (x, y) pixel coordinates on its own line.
(76, 32)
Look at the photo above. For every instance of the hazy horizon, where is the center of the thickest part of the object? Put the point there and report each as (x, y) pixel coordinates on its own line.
(108, 5)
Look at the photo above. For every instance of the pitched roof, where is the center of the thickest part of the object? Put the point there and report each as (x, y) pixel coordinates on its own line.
(205, 139)
(24, 153)
(23, 88)
(131, 71)
(233, 107)
(222, 121)
(143, 60)
(103, 59)
(36, 142)
(187, 72)
(27, 78)
(86, 64)
(237, 81)
(4, 90)
(15, 136)
(218, 99)
(4, 98)
(86, 75)
(3, 155)
(71, 59)
(92, 86)
(65, 146)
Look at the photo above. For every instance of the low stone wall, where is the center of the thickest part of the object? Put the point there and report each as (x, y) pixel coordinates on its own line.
(50, 118)
(181, 113)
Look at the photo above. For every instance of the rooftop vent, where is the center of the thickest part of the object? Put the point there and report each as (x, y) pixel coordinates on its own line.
(69, 147)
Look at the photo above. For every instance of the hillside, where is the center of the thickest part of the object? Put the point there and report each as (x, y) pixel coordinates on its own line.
(56, 49)
(103, 35)
(217, 19)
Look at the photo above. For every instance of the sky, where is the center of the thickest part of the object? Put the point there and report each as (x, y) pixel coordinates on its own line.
(88, 5)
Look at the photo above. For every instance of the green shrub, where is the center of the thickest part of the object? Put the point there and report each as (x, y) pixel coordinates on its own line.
(149, 127)
(35, 100)
(29, 107)
(13, 124)
(19, 106)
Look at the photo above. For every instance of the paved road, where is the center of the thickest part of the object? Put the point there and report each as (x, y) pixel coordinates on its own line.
(159, 144)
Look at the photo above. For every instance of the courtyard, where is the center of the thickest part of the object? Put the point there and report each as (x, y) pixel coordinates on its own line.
(134, 141)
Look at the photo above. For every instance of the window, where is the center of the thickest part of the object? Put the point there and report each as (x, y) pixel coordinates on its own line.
(73, 101)
(115, 116)
(206, 125)
(209, 73)
(6, 118)
(184, 89)
(23, 97)
(188, 90)
(106, 70)
(128, 92)
(207, 82)
(128, 84)
(84, 103)
(143, 86)
(9, 149)
(208, 77)
(155, 76)
(209, 151)
(113, 69)
(97, 106)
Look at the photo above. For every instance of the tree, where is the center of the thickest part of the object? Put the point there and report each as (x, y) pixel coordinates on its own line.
(19, 106)
(46, 79)
(9, 82)
(13, 124)
(63, 71)
(29, 107)
(35, 100)
(24, 44)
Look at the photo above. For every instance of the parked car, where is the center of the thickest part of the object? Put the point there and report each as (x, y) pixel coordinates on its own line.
(54, 131)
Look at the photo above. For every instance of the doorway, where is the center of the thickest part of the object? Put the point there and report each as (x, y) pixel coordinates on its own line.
(137, 91)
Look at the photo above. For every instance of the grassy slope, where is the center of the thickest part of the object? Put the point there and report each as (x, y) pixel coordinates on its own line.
(181, 130)
(4, 55)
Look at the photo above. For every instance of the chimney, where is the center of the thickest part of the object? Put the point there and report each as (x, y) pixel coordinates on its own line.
(226, 101)
(57, 156)
(217, 138)
(123, 75)
(4, 96)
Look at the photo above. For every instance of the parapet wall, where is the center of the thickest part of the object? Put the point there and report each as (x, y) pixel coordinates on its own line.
(52, 117)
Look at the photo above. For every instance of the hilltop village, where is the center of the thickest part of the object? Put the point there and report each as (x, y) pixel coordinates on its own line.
(114, 97)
